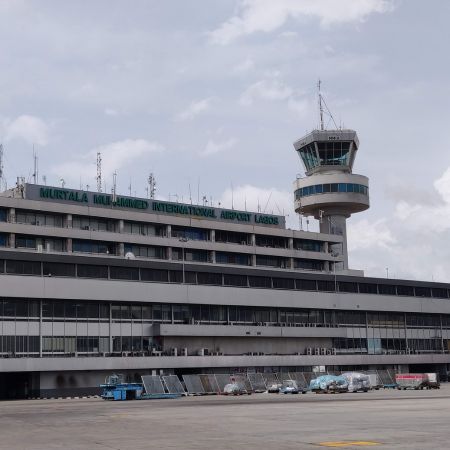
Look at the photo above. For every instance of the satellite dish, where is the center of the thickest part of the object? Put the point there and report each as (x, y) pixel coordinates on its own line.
(130, 255)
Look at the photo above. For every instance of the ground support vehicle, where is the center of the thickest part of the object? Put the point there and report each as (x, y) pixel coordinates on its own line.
(329, 384)
(235, 389)
(416, 381)
(115, 388)
(289, 387)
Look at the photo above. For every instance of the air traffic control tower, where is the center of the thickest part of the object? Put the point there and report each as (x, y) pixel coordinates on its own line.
(330, 192)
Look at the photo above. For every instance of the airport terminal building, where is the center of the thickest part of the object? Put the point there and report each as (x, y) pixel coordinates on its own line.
(94, 283)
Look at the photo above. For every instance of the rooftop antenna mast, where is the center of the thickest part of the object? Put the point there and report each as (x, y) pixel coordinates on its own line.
(1, 166)
(320, 104)
(151, 186)
(114, 188)
(99, 172)
(36, 169)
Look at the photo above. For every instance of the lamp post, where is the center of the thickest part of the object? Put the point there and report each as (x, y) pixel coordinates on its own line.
(183, 240)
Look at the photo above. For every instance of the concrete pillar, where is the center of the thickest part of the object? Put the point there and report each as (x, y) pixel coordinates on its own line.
(253, 260)
(68, 221)
(291, 243)
(291, 263)
(12, 215)
(69, 247)
(213, 235)
(252, 239)
(121, 225)
(12, 240)
(169, 253)
(213, 256)
(121, 249)
(169, 231)
(336, 224)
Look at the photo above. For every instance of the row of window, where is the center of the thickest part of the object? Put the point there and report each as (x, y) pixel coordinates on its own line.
(176, 276)
(151, 229)
(82, 311)
(331, 187)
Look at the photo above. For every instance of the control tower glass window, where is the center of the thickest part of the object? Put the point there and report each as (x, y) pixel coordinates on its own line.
(334, 153)
(309, 156)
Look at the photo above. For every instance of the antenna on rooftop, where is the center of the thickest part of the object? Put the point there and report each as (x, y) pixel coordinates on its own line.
(1, 166)
(35, 163)
(99, 172)
(114, 188)
(151, 186)
(322, 103)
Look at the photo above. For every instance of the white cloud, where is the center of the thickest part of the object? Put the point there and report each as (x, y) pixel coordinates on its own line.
(273, 89)
(213, 147)
(244, 66)
(266, 90)
(115, 156)
(195, 108)
(369, 235)
(31, 129)
(269, 15)
(413, 243)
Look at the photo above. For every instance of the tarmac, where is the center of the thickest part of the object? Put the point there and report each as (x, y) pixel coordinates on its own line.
(386, 419)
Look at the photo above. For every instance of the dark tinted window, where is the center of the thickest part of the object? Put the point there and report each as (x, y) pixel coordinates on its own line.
(422, 291)
(58, 270)
(260, 282)
(440, 293)
(306, 285)
(386, 289)
(405, 290)
(235, 280)
(326, 286)
(154, 275)
(347, 287)
(175, 276)
(2, 265)
(283, 283)
(368, 288)
(23, 267)
(124, 273)
(209, 278)
(90, 271)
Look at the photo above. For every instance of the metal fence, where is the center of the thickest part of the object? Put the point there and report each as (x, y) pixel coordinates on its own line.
(256, 382)
(153, 384)
(173, 384)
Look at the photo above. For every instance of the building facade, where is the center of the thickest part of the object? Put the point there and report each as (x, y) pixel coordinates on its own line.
(94, 283)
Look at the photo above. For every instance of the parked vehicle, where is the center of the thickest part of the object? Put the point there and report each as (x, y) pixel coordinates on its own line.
(357, 382)
(330, 384)
(235, 389)
(289, 387)
(274, 388)
(417, 381)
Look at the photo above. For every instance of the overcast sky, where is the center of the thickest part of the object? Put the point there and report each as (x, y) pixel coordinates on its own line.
(209, 95)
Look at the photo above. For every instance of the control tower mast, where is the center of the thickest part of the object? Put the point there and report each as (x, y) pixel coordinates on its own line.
(330, 192)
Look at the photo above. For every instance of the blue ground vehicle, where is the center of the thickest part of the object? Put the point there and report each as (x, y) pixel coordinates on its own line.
(115, 388)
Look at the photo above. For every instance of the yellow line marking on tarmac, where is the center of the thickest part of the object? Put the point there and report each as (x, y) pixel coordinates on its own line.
(348, 444)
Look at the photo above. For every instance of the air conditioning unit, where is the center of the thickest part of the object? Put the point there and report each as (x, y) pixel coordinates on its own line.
(323, 351)
(173, 352)
(329, 351)
(317, 351)
(309, 351)
(183, 351)
(333, 351)
(203, 352)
